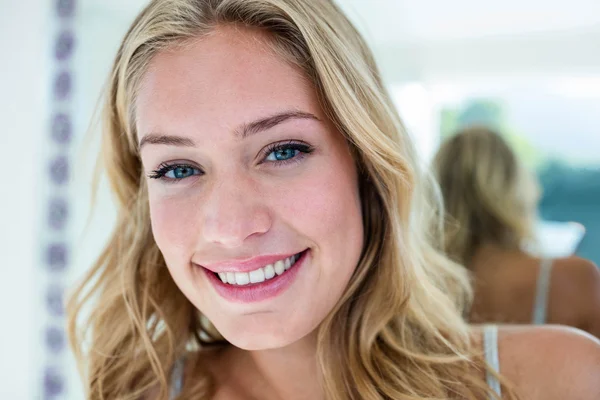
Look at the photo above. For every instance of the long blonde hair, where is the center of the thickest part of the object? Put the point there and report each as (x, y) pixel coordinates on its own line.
(396, 333)
(489, 196)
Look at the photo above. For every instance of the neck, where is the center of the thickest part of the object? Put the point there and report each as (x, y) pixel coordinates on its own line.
(290, 372)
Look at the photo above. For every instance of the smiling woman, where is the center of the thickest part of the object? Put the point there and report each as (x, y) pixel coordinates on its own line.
(273, 239)
(268, 179)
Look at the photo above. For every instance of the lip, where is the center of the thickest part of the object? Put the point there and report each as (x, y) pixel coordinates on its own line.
(245, 265)
(256, 292)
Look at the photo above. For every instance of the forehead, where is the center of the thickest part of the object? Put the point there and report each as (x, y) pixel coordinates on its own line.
(226, 78)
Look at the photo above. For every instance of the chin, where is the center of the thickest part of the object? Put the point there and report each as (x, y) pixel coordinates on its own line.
(257, 336)
(257, 342)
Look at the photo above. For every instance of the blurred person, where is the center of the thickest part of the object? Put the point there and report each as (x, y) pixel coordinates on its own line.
(491, 204)
(272, 238)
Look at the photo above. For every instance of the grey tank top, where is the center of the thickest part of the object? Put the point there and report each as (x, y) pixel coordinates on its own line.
(540, 305)
(490, 347)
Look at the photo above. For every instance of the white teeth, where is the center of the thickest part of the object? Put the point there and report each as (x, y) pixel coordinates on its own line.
(269, 271)
(242, 278)
(231, 278)
(257, 276)
(279, 267)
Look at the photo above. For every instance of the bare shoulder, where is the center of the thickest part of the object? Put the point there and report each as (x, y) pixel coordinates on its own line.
(550, 362)
(575, 267)
(577, 282)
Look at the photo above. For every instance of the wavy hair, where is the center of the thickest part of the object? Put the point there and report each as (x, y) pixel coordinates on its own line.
(397, 331)
(488, 194)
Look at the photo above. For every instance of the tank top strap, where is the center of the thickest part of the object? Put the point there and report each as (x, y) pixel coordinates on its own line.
(540, 305)
(490, 348)
(177, 378)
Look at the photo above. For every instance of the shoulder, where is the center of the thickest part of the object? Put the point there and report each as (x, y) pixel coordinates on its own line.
(550, 362)
(578, 276)
(575, 268)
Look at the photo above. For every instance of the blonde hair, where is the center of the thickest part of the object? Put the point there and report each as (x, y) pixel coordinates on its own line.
(396, 333)
(489, 197)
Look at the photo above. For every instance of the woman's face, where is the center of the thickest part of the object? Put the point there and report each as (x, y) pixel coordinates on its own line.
(253, 193)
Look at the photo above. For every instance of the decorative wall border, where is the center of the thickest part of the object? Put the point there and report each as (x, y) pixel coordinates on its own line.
(55, 251)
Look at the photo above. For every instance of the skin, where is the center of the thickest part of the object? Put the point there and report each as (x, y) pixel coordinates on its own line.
(550, 362)
(241, 207)
(506, 283)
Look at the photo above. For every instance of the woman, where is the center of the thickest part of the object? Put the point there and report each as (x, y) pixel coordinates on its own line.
(270, 240)
(491, 201)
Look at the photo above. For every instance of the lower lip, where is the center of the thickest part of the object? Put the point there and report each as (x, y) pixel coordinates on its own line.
(255, 292)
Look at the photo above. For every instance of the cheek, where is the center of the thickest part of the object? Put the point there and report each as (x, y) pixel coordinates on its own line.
(172, 226)
(326, 208)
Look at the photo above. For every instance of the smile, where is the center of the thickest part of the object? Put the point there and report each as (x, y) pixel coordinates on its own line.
(260, 283)
(261, 274)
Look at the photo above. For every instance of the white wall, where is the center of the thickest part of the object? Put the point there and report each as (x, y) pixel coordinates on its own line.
(27, 32)
(23, 116)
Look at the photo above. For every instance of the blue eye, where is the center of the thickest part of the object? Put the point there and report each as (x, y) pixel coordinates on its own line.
(180, 172)
(282, 154)
(175, 172)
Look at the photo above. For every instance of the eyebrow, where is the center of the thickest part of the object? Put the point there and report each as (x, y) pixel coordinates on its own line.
(170, 140)
(244, 131)
(264, 124)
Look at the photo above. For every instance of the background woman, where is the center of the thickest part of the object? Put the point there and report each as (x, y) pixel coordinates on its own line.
(491, 201)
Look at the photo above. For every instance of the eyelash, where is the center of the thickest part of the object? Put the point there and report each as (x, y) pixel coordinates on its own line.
(165, 168)
(303, 149)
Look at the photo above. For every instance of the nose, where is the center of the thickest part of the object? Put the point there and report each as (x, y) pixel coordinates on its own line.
(233, 211)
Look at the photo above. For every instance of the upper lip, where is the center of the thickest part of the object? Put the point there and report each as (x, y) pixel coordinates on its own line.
(245, 265)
